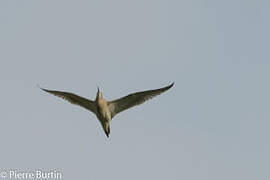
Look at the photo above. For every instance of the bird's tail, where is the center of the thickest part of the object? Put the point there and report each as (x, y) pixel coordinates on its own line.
(106, 128)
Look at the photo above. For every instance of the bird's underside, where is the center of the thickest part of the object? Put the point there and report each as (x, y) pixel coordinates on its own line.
(106, 110)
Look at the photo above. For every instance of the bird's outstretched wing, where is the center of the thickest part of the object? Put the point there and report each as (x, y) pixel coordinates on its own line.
(134, 99)
(74, 99)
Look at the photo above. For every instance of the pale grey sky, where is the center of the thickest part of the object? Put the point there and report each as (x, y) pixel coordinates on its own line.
(213, 124)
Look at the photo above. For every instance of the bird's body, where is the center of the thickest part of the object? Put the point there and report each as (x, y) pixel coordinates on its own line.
(106, 110)
(103, 113)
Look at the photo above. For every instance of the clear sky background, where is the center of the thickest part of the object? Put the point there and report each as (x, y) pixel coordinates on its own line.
(213, 124)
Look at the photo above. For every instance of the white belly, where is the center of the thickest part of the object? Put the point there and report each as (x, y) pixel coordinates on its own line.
(104, 111)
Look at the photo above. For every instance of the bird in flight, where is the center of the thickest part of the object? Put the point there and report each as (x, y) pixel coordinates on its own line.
(106, 110)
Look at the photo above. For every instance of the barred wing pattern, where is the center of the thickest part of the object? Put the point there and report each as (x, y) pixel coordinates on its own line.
(75, 99)
(134, 99)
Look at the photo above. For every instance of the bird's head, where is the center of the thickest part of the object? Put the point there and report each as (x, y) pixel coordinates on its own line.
(99, 94)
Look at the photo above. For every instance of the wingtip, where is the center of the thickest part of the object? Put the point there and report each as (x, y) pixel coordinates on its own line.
(42, 88)
(38, 86)
(171, 85)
